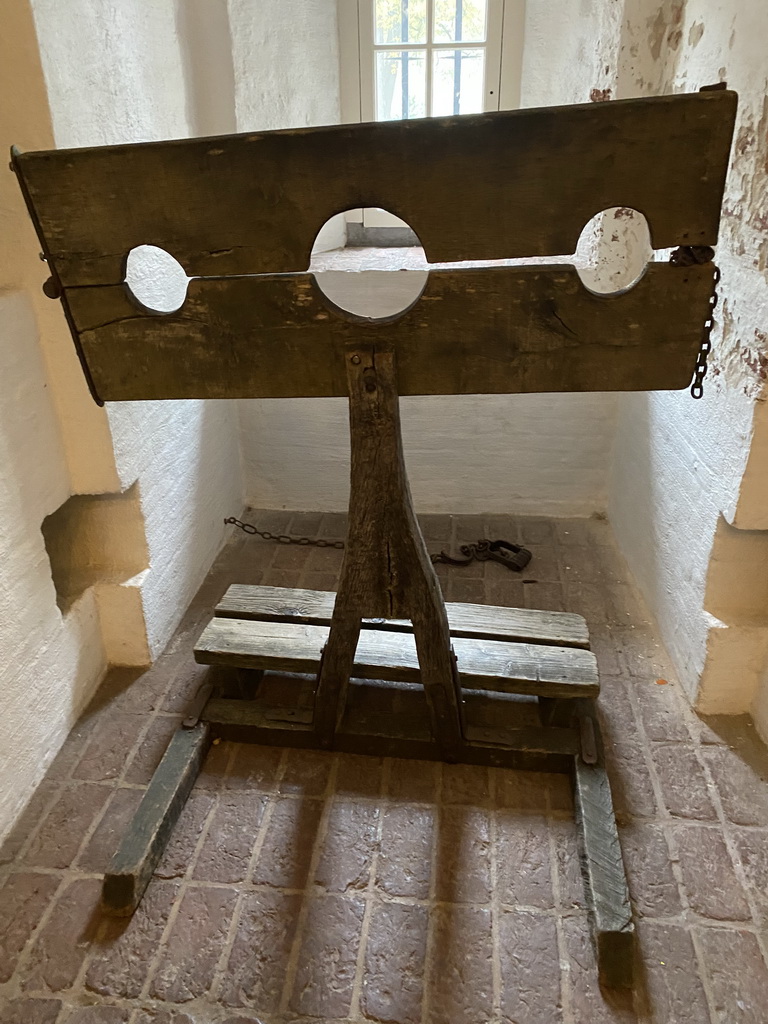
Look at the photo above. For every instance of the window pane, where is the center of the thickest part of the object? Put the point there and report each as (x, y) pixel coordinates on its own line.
(459, 21)
(401, 21)
(457, 82)
(401, 84)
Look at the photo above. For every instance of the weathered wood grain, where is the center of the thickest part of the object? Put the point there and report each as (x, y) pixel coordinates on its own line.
(386, 572)
(364, 729)
(315, 607)
(473, 331)
(483, 664)
(601, 851)
(142, 845)
(517, 183)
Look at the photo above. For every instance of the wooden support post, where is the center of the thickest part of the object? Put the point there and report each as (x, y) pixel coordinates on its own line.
(607, 882)
(142, 846)
(387, 572)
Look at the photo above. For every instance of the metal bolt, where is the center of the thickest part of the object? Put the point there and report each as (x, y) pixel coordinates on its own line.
(356, 360)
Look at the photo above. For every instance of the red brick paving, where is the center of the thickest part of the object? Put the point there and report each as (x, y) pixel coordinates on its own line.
(305, 886)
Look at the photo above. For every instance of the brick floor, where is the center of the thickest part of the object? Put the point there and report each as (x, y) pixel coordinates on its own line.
(301, 886)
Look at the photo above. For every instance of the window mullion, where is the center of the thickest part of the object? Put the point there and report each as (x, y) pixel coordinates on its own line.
(430, 22)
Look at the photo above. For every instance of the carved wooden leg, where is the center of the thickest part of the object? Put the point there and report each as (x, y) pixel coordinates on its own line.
(387, 572)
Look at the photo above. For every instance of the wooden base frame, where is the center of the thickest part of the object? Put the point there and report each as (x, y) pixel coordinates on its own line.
(397, 674)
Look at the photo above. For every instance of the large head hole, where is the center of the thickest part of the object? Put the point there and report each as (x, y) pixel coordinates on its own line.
(376, 271)
(156, 280)
(613, 250)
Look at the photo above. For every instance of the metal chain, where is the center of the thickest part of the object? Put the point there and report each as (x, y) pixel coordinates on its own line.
(283, 538)
(686, 256)
(511, 555)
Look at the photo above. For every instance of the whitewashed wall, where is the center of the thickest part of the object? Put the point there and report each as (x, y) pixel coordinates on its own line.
(49, 664)
(546, 454)
(679, 476)
(133, 80)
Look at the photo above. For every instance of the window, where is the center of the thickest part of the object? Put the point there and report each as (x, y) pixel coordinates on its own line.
(427, 58)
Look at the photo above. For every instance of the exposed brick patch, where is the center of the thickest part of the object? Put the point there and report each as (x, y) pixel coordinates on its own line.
(61, 833)
(347, 851)
(98, 1015)
(110, 746)
(737, 974)
(287, 850)
(522, 853)
(743, 790)
(672, 974)
(752, 849)
(28, 820)
(465, 784)
(163, 1017)
(259, 960)
(29, 1011)
(226, 852)
(306, 772)
(186, 833)
(708, 876)
(199, 932)
(254, 768)
(683, 782)
(413, 781)
(125, 952)
(463, 857)
(359, 776)
(151, 750)
(394, 963)
(63, 943)
(588, 1003)
(652, 883)
(404, 866)
(23, 900)
(530, 968)
(328, 957)
(110, 831)
(460, 978)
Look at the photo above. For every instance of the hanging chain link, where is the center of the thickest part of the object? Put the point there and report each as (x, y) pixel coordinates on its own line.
(502, 551)
(687, 256)
(283, 538)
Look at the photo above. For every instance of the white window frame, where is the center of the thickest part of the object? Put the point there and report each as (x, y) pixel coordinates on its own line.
(503, 69)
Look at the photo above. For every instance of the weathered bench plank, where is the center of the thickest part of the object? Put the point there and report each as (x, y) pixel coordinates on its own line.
(315, 607)
(483, 664)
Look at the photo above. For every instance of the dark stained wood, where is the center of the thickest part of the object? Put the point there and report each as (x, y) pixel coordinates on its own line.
(142, 845)
(604, 868)
(364, 729)
(315, 607)
(386, 571)
(517, 183)
(530, 669)
(473, 331)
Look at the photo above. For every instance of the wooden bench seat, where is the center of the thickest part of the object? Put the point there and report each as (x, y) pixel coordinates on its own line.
(282, 633)
(315, 607)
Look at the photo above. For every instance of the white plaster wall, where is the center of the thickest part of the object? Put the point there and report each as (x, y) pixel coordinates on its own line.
(132, 80)
(546, 454)
(49, 663)
(680, 463)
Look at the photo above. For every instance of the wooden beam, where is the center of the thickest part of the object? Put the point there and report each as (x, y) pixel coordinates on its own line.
(492, 330)
(517, 183)
(608, 889)
(142, 846)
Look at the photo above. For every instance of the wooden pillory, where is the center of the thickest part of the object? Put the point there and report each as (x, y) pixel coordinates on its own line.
(240, 213)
